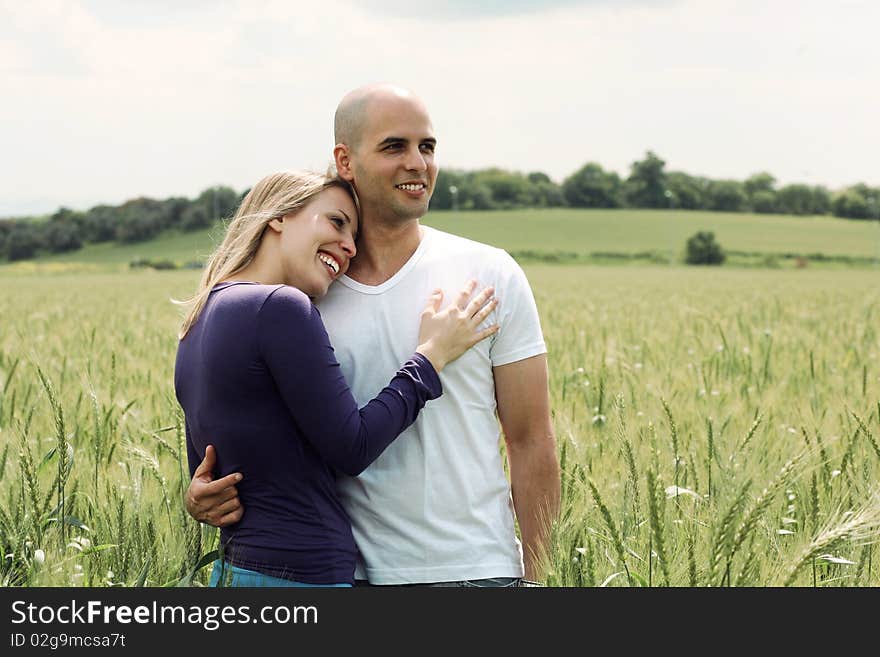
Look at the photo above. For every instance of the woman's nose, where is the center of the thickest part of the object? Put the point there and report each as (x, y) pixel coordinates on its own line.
(348, 247)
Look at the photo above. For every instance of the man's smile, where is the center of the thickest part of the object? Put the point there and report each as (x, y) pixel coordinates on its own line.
(413, 188)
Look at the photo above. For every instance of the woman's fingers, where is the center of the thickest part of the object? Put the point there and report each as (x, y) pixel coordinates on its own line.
(479, 336)
(479, 301)
(434, 301)
(484, 312)
(465, 294)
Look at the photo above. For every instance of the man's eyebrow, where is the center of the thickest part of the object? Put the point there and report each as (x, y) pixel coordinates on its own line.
(397, 140)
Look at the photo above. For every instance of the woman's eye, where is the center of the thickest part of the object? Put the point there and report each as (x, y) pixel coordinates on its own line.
(339, 221)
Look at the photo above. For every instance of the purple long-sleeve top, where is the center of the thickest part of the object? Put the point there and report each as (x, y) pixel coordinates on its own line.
(257, 378)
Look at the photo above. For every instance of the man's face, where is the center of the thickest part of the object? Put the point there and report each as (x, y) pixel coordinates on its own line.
(393, 166)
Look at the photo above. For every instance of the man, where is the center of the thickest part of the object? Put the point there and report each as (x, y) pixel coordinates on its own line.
(435, 507)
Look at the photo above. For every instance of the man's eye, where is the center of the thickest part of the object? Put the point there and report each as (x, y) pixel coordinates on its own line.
(428, 148)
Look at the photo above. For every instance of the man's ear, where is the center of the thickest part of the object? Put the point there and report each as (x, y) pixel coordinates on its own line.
(342, 158)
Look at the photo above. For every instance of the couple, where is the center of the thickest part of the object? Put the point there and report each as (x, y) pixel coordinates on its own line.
(257, 377)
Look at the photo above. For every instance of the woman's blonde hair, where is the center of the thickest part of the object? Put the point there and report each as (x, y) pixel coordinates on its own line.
(274, 196)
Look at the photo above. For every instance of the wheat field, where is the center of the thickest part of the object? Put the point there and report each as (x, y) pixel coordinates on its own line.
(715, 427)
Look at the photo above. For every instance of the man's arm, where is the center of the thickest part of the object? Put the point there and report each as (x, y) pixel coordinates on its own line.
(524, 410)
(213, 502)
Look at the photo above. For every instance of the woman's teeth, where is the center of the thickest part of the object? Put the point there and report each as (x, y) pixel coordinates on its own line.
(330, 262)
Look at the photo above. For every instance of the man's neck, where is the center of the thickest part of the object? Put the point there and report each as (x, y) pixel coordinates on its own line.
(383, 249)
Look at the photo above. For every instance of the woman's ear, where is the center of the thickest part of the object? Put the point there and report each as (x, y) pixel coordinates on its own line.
(277, 224)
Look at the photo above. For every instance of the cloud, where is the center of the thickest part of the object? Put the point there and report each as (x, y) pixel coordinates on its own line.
(105, 106)
(468, 9)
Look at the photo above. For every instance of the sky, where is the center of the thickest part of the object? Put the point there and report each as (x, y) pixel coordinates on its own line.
(102, 101)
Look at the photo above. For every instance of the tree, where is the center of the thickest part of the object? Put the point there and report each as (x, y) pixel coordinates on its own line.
(134, 227)
(764, 202)
(68, 216)
(760, 190)
(687, 192)
(219, 202)
(195, 217)
(821, 200)
(726, 196)
(62, 236)
(22, 241)
(702, 249)
(5, 229)
(508, 189)
(64, 231)
(759, 182)
(479, 197)
(443, 197)
(173, 209)
(141, 219)
(646, 185)
(592, 187)
(547, 195)
(543, 192)
(850, 204)
(795, 199)
(99, 223)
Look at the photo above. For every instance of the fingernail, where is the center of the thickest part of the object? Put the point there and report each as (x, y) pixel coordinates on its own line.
(238, 477)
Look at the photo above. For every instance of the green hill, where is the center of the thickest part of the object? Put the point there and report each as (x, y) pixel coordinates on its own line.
(571, 231)
(632, 231)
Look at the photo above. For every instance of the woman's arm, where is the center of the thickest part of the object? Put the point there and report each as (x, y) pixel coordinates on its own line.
(296, 349)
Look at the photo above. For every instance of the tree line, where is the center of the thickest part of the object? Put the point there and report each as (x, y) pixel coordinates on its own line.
(137, 220)
(648, 185)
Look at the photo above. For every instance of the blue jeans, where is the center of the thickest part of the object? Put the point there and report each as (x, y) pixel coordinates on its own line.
(235, 576)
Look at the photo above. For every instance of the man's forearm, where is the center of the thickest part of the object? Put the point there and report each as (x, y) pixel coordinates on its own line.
(535, 484)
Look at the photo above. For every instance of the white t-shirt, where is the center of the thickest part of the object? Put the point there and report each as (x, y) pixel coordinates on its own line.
(436, 505)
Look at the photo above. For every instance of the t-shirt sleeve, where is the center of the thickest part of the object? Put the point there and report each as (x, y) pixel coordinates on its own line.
(296, 349)
(519, 336)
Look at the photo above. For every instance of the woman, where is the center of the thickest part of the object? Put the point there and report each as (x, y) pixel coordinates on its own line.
(256, 376)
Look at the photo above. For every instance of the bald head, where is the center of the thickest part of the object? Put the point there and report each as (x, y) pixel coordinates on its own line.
(385, 147)
(353, 111)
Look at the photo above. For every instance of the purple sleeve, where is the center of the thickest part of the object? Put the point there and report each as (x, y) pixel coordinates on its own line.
(296, 348)
(192, 455)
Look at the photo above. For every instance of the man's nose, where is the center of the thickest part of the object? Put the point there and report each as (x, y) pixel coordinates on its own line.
(415, 161)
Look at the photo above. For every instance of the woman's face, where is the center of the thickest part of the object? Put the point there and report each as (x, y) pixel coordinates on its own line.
(317, 242)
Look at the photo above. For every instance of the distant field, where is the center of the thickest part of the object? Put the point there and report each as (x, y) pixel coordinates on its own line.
(631, 231)
(575, 231)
